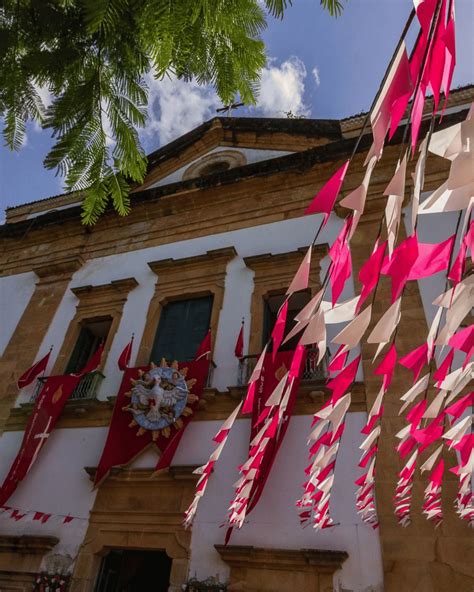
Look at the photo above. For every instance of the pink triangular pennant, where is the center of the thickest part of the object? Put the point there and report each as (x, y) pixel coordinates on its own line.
(323, 202)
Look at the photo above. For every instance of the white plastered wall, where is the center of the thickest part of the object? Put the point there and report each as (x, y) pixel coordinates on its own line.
(59, 484)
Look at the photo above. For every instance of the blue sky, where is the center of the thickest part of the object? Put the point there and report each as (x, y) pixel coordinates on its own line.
(319, 67)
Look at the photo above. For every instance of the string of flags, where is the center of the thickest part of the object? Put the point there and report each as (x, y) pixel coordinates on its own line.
(436, 405)
(36, 516)
(440, 422)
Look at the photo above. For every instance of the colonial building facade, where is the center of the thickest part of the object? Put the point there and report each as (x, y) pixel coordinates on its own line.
(215, 235)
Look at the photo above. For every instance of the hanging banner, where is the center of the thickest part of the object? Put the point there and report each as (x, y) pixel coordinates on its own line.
(154, 405)
(48, 408)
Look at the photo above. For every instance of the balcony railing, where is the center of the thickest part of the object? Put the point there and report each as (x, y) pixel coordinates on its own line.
(312, 372)
(86, 389)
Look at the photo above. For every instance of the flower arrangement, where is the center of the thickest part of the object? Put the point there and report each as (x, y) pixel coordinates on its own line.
(209, 585)
(50, 583)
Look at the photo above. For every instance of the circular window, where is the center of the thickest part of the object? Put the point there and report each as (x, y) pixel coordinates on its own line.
(214, 167)
(217, 162)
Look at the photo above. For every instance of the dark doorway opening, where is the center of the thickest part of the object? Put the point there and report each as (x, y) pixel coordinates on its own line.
(123, 570)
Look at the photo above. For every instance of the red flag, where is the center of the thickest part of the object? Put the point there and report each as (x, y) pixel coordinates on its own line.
(93, 363)
(123, 444)
(239, 344)
(205, 348)
(48, 407)
(124, 359)
(35, 370)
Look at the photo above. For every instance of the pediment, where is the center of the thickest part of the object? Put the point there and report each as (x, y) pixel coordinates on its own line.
(224, 143)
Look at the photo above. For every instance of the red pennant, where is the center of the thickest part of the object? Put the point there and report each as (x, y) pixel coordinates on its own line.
(124, 359)
(27, 377)
(239, 344)
(204, 348)
(94, 362)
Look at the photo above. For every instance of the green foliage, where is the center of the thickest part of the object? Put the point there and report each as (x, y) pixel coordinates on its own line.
(93, 55)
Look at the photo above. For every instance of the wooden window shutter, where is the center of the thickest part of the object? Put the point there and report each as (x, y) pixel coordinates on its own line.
(183, 325)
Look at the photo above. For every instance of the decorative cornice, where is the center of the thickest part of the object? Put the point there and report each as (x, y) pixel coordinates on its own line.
(175, 473)
(27, 544)
(269, 259)
(64, 266)
(119, 287)
(216, 255)
(269, 558)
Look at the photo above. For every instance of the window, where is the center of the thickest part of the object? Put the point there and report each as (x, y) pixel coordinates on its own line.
(272, 304)
(123, 570)
(183, 325)
(91, 334)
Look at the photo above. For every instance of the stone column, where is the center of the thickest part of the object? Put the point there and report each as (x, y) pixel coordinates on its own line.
(21, 351)
(417, 558)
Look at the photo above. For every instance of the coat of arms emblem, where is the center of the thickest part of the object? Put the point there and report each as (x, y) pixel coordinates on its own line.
(158, 399)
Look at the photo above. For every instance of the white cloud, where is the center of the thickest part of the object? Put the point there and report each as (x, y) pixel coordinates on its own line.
(175, 107)
(315, 73)
(282, 89)
(44, 94)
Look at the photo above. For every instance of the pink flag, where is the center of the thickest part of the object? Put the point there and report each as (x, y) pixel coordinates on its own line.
(325, 199)
(301, 279)
(425, 11)
(438, 56)
(416, 413)
(341, 267)
(397, 88)
(417, 114)
(340, 383)
(463, 340)
(450, 57)
(386, 367)
(458, 408)
(431, 259)
(457, 270)
(369, 273)
(415, 360)
(279, 328)
(399, 266)
(440, 374)
(338, 360)
(436, 476)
